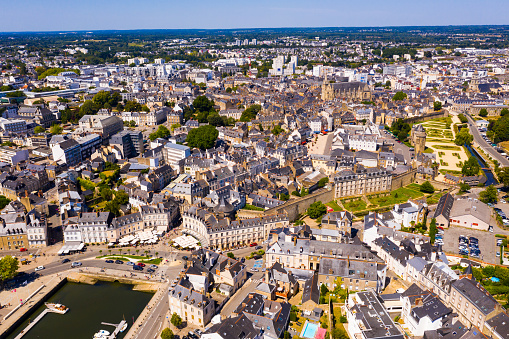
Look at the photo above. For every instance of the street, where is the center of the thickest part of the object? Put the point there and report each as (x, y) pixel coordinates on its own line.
(484, 145)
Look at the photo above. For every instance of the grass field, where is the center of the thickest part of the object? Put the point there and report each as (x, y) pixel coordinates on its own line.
(447, 147)
(334, 205)
(356, 205)
(398, 196)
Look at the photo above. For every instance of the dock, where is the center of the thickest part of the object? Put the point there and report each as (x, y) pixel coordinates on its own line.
(33, 323)
(118, 327)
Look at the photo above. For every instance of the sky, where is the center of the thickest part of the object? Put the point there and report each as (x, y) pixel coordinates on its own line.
(68, 15)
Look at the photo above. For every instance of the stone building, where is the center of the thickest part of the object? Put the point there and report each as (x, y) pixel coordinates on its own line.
(418, 138)
(348, 90)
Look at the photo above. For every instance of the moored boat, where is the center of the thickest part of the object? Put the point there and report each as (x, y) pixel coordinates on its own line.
(58, 308)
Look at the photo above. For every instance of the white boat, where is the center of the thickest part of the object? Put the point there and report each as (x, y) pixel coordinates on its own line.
(123, 328)
(101, 334)
(57, 308)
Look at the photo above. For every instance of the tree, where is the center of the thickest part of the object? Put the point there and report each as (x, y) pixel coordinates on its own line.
(323, 290)
(464, 187)
(504, 111)
(437, 106)
(8, 267)
(39, 129)
(399, 96)
(322, 182)
(203, 137)
(56, 129)
(250, 113)
(215, 119)
(132, 123)
(176, 320)
(4, 201)
(426, 187)
(167, 334)
(112, 207)
(483, 112)
(203, 104)
(88, 108)
(470, 167)
(489, 195)
(277, 130)
(121, 197)
(15, 94)
(230, 255)
(175, 126)
(162, 132)
(106, 193)
(400, 129)
(316, 210)
(462, 118)
(132, 106)
(463, 137)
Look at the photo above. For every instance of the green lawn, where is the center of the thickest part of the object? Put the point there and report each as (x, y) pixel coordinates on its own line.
(334, 205)
(447, 147)
(252, 208)
(415, 187)
(355, 205)
(398, 196)
(438, 140)
(155, 261)
(433, 199)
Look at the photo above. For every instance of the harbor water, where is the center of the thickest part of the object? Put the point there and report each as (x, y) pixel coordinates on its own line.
(89, 305)
(490, 178)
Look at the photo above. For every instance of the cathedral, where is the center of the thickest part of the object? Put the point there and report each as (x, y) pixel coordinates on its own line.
(348, 90)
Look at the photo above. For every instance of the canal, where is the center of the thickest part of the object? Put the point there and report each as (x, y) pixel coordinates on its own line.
(490, 178)
(89, 305)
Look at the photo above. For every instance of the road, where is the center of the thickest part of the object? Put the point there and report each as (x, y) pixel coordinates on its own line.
(484, 145)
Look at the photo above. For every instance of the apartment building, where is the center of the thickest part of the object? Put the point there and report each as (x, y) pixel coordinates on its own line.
(88, 228)
(68, 152)
(222, 233)
(368, 318)
(105, 126)
(12, 155)
(306, 254)
(130, 143)
(13, 125)
(173, 154)
(360, 181)
(472, 302)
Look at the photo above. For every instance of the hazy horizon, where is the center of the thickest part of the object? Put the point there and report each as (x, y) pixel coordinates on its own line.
(94, 15)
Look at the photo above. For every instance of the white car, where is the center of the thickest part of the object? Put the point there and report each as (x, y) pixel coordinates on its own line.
(39, 268)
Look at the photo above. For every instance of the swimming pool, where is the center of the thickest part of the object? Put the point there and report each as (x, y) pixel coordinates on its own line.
(309, 330)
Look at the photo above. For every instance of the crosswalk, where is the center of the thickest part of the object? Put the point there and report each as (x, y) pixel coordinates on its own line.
(256, 281)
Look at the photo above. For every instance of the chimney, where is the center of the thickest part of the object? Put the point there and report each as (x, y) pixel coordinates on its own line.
(40, 194)
(294, 241)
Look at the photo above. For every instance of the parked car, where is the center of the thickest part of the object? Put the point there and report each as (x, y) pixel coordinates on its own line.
(150, 270)
(76, 264)
(130, 263)
(185, 257)
(243, 260)
(153, 266)
(141, 264)
(119, 262)
(109, 261)
(137, 268)
(22, 249)
(198, 332)
(254, 269)
(39, 268)
(253, 244)
(65, 261)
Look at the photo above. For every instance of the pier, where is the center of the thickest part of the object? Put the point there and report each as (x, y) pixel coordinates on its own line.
(33, 323)
(118, 327)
